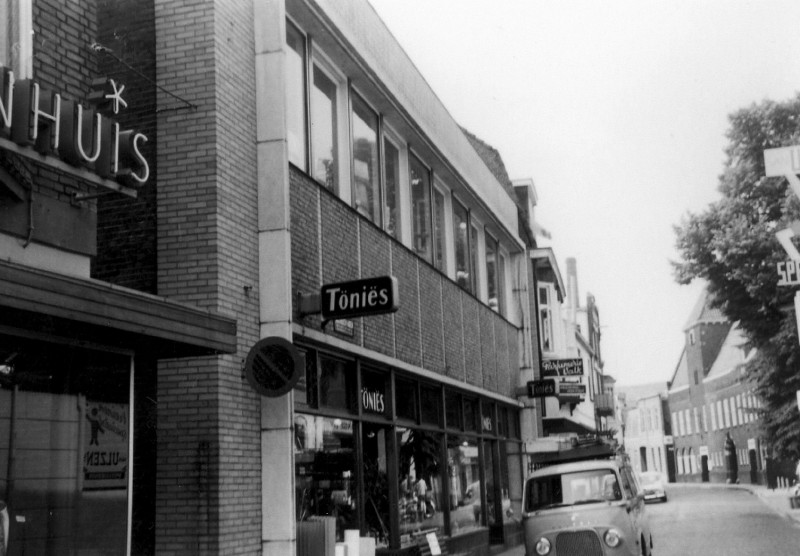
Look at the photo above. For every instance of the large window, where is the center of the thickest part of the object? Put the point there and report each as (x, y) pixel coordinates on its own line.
(420, 179)
(296, 96)
(16, 37)
(391, 171)
(65, 437)
(494, 275)
(366, 169)
(461, 248)
(324, 130)
(545, 318)
(439, 253)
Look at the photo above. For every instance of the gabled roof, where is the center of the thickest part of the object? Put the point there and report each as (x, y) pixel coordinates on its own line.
(491, 157)
(703, 312)
(732, 354)
(680, 378)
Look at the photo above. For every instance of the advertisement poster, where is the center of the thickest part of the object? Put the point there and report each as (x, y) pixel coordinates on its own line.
(105, 459)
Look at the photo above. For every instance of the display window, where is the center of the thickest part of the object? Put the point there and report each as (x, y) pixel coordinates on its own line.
(65, 448)
(395, 457)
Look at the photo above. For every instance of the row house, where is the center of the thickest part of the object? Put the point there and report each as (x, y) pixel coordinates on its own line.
(645, 428)
(258, 286)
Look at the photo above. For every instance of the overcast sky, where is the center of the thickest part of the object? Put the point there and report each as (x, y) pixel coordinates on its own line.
(617, 109)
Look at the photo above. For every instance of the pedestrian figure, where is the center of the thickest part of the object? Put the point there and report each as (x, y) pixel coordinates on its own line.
(97, 427)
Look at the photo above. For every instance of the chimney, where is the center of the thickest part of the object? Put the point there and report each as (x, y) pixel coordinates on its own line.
(572, 289)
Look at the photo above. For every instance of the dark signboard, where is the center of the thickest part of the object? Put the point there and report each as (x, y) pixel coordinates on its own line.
(273, 366)
(562, 367)
(542, 388)
(571, 389)
(359, 298)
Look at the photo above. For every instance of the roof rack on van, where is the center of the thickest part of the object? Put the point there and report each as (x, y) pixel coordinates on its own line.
(577, 449)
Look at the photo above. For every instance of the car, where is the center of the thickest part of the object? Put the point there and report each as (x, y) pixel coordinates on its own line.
(592, 507)
(653, 485)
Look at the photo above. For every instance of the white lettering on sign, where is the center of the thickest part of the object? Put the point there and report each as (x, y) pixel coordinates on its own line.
(372, 401)
(43, 121)
(367, 298)
(788, 273)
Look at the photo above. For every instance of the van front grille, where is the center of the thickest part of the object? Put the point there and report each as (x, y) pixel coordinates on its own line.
(578, 543)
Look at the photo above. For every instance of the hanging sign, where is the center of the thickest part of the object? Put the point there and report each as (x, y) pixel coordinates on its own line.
(273, 366)
(359, 298)
(561, 367)
(542, 388)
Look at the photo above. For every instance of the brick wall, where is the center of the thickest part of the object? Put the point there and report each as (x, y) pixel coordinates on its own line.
(209, 464)
(438, 327)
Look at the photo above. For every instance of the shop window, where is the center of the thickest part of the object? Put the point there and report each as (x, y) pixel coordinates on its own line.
(336, 384)
(431, 405)
(296, 97)
(421, 486)
(16, 42)
(391, 171)
(512, 482)
(488, 425)
(304, 390)
(490, 515)
(420, 208)
(324, 130)
(325, 476)
(65, 432)
(439, 253)
(471, 415)
(366, 169)
(461, 249)
(453, 414)
(405, 399)
(463, 470)
(502, 422)
(374, 444)
(374, 393)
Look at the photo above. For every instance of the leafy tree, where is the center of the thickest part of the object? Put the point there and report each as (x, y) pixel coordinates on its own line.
(732, 246)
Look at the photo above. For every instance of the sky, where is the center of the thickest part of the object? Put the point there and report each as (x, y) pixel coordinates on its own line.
(618, 110)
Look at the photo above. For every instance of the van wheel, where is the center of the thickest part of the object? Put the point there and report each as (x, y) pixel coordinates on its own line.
(645, 552)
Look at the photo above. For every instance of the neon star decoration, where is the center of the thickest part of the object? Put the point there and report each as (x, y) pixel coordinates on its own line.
(116, 96)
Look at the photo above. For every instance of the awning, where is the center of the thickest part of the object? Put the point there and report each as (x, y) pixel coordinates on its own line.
(93, 311)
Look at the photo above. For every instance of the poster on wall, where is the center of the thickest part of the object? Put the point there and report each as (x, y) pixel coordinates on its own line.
(105, 455)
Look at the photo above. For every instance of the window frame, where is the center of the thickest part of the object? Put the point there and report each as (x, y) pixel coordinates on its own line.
(23, 69)
(357, 98)
(428, 216)
(401, 194)
(305, 56)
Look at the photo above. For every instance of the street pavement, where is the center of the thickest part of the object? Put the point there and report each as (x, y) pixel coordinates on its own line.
(776, 500)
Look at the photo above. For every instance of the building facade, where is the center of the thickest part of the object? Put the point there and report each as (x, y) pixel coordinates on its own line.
(264, 150)
(714, 411)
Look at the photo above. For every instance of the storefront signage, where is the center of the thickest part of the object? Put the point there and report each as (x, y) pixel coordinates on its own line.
(789, 273)
(372, 401)
(571, 389)
(273, 366)
(42, 123)
(359, 298)
(561, 367)
(542, 388)
(487, 424)
(105, 455)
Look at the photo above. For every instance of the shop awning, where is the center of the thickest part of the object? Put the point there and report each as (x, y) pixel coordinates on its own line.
(93, 311)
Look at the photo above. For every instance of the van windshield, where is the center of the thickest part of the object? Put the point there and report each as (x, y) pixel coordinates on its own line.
(570, 489)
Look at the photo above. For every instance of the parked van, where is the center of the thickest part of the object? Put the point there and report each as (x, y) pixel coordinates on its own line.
(593, 507)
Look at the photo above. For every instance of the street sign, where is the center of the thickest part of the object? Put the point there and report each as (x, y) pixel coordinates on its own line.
(273, 366)
(782, 161)
(359, 298)
(561, 367)
(788, 273)
(542, 388)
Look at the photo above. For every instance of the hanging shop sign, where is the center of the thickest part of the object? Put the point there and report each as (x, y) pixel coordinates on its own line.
(105, 452)
(273, 366)
(542, 388)
(359, 298)
(561, 367)
(40, 124)
(571, 392)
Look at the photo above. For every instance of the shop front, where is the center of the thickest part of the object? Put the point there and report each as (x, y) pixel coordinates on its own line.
(397, 456)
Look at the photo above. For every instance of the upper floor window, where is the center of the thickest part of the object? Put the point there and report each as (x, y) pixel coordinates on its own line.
(324, 130)
(420, 179)
(439, 253)
(461, 239)
(495, 275)
(296, 117)
(16, 40)
(545, 318)
(473, 259)
(391, 172)
(366, 174)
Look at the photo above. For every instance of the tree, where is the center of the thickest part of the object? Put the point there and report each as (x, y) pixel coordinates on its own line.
(732, 246)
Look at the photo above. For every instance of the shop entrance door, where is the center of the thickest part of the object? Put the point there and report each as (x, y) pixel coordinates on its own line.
(375, 446)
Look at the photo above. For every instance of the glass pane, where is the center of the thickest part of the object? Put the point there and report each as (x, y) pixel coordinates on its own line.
(336, 383)
(461, 246)
(420, 481)
(376, 480)
(473, 261)
(452, 404)
(431, 405)
(439, 259)
(487, 419)
(511, 477)
(501, 284)
(392, 173)
(471, 415)
(491, 272)
(464, 482)
(572, 488)
(323, 130)
(296, 96)
(64, 437)
(302, 396)
(366, 186)
(325, 478)
(374, 393)
(405, 399)
(488, 474)
(421, 208)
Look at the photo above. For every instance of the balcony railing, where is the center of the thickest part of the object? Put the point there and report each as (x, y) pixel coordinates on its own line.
(604, 405)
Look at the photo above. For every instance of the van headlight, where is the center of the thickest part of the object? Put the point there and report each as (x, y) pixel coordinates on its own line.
(542, 546)
(612, 538)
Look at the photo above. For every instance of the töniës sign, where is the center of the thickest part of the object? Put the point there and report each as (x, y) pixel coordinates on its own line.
(359, 298)
(42, 122)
